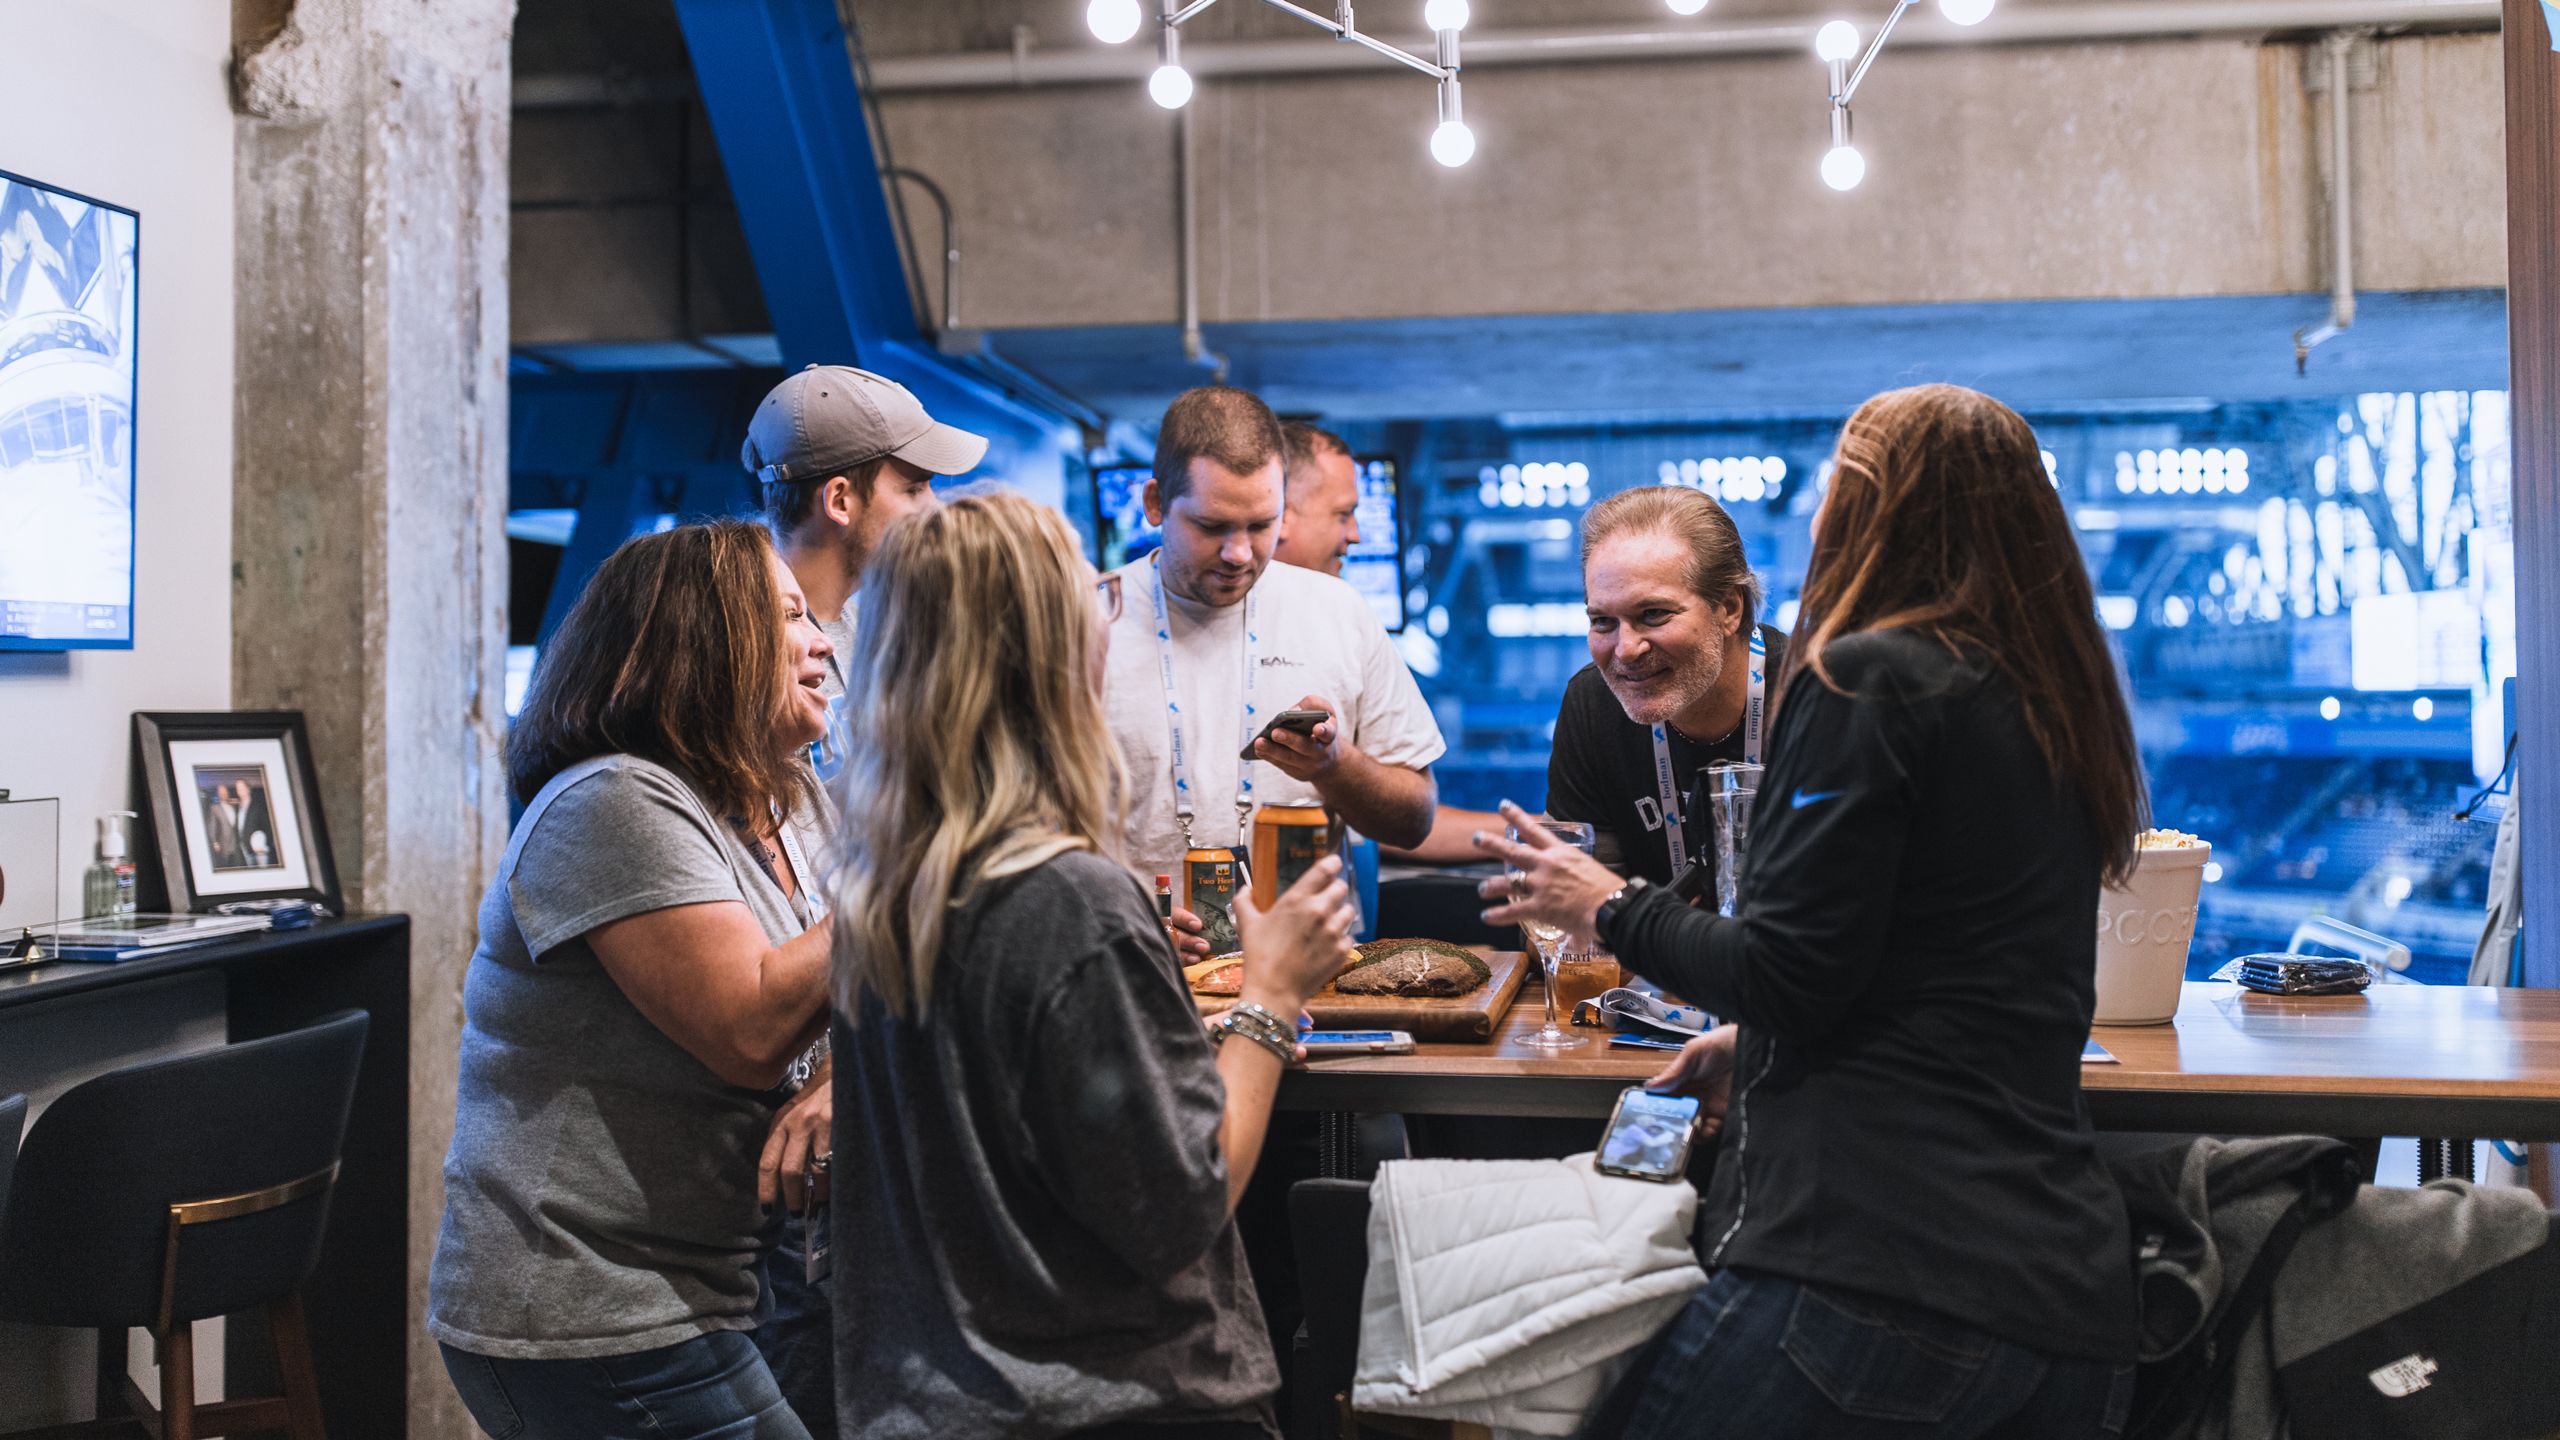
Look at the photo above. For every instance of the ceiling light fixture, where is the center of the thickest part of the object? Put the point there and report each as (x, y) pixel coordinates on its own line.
(1687, 7)
(1837, 46)
(1452, 143)
(1112, 21)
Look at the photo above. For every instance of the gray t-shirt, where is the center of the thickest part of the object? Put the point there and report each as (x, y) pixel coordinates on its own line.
(1030, 1204)
(600, 1195)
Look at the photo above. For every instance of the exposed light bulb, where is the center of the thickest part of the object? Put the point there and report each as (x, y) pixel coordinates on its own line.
(1687, 7)
(1843, 167)
(1836, 41)
(1453, 144)
(1170, 86)
(1966, 12)
(1445, 14)
(1112, 21)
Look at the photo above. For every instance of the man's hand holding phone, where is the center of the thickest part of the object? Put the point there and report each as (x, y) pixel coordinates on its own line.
(1299, 746)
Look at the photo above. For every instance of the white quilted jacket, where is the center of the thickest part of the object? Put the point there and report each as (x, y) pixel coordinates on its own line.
(1508, 1293)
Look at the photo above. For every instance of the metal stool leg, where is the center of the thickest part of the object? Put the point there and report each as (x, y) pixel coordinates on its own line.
(178, 1383)
(293, 1362)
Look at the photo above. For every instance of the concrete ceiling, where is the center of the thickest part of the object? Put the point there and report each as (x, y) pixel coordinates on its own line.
(1743, 363)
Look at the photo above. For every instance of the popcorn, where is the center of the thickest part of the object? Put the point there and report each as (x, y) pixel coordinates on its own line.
(2166, 840)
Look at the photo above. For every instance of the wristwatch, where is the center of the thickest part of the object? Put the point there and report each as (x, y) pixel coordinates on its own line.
(1605, 920)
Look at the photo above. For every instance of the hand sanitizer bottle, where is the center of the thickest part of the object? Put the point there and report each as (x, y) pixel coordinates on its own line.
(106, 887)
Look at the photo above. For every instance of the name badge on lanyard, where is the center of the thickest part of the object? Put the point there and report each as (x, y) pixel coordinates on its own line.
(1667, 790)
(1182, 796)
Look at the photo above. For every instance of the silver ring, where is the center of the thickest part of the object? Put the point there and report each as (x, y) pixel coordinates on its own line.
(818, 1163)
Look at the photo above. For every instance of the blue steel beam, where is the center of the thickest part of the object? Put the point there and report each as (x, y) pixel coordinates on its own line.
(777, 83)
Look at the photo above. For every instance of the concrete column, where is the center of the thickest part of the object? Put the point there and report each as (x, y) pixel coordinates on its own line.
(369, 572)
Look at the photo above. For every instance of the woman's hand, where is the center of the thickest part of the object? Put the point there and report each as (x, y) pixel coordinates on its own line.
(1704, 1069)
(803, 1130)
(1549, 881)
(1300, 944)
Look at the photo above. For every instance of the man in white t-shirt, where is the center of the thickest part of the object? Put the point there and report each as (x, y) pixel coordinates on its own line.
(1241, 640)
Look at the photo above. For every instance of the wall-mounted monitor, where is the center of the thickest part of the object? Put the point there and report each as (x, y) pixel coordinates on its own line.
(68, 269)
(1375, 563)
(1120, 529)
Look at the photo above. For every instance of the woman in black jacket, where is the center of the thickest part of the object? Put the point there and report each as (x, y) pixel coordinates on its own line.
(1909, 1226)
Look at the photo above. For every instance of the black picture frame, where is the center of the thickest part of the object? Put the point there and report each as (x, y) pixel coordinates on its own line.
(182, 859)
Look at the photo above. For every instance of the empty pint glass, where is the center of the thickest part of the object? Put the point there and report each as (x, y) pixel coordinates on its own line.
(1730, 790)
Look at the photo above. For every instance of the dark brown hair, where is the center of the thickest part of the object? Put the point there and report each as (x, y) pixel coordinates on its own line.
(1716, 564)
(1230, 426)
(1941, 520)
(789, 503)
(675, 654)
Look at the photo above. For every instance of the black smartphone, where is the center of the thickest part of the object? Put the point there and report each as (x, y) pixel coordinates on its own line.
(1648, 1136)
(1302, 721)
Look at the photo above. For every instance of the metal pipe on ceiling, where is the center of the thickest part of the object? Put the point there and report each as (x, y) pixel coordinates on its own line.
(2013, 24)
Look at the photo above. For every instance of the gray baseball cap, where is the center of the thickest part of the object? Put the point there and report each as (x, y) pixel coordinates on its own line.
(828, 419)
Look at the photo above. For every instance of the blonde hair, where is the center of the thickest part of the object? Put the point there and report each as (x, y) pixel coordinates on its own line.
(975, 738)
(1717, 567)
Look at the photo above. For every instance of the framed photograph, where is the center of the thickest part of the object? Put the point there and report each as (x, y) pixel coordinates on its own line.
(234, 808)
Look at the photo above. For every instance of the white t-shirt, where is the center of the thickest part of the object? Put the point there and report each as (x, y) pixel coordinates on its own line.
(1315, 636)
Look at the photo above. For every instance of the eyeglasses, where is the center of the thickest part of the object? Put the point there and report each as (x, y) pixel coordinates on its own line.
(1106, 597)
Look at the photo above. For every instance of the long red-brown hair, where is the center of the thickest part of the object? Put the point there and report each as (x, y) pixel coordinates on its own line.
(1941, 520)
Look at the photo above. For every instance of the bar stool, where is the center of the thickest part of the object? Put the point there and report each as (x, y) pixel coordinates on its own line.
(13, 1116)
(176, 1190)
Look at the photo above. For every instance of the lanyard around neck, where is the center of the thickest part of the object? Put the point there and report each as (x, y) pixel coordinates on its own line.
(1182, 793)
(1674, 832)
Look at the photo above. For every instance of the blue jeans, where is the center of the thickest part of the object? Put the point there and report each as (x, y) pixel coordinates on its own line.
(795, 1323)
(711, 1387)
(1773, 1359)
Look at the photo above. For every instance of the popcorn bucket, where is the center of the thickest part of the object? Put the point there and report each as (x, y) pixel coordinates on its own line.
(2144, 927)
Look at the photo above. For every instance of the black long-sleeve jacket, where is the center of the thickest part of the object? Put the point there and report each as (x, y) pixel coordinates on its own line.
(1913, 970)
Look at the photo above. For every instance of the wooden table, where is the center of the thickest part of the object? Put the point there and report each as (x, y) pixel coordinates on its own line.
(2425, 1060)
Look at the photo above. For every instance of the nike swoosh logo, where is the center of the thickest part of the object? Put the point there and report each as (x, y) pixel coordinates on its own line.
(1801, 799)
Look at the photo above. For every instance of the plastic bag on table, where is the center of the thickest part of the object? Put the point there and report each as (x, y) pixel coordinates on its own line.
(1629, 1009)
(2282, 974)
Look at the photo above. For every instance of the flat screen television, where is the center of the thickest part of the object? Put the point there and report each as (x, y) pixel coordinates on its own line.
(1120, 529)
(1374, 565)
(68, 269)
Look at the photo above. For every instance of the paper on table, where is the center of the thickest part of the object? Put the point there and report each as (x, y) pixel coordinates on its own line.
(2094, 1053)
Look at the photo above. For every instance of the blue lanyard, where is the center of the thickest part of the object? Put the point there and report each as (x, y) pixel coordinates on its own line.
(1674, 832)
(1182, 797)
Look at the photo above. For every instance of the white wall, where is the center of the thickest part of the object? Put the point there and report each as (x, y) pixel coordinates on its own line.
(127, 100)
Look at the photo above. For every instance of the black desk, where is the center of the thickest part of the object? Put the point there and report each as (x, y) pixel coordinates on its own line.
(359, 1299)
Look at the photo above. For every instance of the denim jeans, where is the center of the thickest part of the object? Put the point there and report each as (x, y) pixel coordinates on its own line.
(711, 1387)
(1770, 1358)
(795, 1323)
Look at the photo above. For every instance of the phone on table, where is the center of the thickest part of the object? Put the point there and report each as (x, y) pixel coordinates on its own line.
(1303, 722)
(1648, 1135)
(1356, 1042)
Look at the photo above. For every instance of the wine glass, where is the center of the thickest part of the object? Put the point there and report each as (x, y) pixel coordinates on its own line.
(1550, 939)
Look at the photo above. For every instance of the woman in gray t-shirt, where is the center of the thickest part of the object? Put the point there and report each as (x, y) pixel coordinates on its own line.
(651, 961)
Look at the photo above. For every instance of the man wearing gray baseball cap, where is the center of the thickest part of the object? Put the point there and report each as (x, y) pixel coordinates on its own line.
(838, 455)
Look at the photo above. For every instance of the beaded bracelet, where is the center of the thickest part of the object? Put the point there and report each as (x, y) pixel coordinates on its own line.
(1261, 1027)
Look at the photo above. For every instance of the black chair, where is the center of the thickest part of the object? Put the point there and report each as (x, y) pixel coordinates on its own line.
(13, 1117)
(176, 1190)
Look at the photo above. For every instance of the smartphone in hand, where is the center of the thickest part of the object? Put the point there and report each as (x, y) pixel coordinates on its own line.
(1648, 1136)
(1303, 722)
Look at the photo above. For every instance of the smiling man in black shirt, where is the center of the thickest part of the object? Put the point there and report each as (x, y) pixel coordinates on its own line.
(1675, 681)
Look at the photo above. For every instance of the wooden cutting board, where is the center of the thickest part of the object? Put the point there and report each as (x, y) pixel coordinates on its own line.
(1457, 1018)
